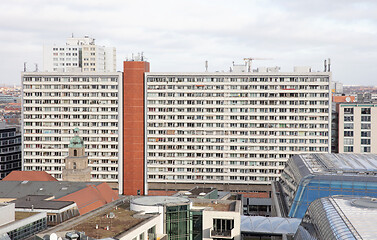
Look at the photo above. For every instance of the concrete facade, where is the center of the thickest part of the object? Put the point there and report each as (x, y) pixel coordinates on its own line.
(357, 128)
(56, 103)
(232, 129)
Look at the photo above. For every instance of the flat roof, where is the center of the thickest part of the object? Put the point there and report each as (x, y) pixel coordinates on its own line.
(340, 163)
(159, 200)
(40, 202)
(216, 205)
(122, 221)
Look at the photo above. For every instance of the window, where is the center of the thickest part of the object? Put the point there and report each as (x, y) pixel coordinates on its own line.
(348, 118)
(348, 141)
(348, 110)
(365, 111)
(348, 149)
(365, 141)
(348, 133)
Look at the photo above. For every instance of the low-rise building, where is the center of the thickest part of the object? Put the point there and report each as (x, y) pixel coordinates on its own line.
(20, 225)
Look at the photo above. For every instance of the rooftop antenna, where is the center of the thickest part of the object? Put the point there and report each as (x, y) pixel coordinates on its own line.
(206, 65)
(142, 56)
(325, 63)
(36, 67)
(24, 66)
(72, 35)
(329, 64)
(250, 60)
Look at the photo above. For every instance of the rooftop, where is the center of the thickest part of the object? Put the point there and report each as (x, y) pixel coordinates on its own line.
(41, 202)
(29, 176)
(359, 214)
(118, 219)
(18, 189)
(340, 163)
(216, 205)
(160, 200)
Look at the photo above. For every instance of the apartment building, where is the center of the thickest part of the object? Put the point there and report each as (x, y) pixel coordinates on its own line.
(232, 130)
(357, 127)
(54, 104)
(79, 55)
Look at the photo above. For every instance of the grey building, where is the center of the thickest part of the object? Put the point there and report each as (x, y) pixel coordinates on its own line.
(10, 150)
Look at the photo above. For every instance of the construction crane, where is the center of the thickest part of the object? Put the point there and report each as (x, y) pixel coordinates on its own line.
(249, 60)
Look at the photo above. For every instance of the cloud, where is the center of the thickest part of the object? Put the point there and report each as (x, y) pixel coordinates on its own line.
(181, 35)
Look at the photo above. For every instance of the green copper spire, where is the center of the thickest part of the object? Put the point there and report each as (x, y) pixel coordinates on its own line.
(76, 141)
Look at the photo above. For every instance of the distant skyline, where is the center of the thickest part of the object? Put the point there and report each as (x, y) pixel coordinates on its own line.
(179, 36)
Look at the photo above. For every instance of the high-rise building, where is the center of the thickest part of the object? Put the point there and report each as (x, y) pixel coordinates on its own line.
(230, 130)
(10, 154)
(79, 55)
(357, 127)
(56, 103)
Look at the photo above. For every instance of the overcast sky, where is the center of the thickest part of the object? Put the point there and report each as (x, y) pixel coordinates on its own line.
(179, 35)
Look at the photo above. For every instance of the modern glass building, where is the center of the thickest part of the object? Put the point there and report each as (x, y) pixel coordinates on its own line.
(339, 217)
(308, 177)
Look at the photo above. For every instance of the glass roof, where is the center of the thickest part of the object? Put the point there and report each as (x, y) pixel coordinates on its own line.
(340, 163)
(273, 225)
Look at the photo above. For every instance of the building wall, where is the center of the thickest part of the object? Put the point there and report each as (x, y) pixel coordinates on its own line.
(7, 213)
(133, 169)
(143, 229)
(208, 217)
(232, 129)
(10, 151)
(56, 103)
(357, 128)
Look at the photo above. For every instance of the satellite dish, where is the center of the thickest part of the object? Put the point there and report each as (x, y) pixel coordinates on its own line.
(348, 99)
(202, 194)
(53, 236)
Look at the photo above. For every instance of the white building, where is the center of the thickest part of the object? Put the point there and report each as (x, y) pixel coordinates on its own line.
(232, 128)
(357, 128)
(79, 55)
(56, 103)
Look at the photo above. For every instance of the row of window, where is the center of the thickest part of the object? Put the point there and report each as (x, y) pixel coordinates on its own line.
(70, 79)
(237, 79)
(217, 178)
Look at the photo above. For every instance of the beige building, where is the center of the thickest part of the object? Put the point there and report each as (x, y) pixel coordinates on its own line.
(76, 163)
(357, 128)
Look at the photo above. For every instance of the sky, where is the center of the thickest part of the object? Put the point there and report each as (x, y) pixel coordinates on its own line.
(180, 35)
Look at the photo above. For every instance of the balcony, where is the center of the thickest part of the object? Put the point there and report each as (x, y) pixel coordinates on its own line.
(223, 234)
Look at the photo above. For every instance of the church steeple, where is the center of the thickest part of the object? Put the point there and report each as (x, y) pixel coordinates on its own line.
(76, 163)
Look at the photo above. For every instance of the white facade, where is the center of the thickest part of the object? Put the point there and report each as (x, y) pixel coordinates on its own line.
(56, 103)
(233, 128)
(357, 128)
(79, 55)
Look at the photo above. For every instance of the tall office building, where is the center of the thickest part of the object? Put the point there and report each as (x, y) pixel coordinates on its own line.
(79, 55)
(357, 127)
(230, 130)
(10, 146)
(54, 104)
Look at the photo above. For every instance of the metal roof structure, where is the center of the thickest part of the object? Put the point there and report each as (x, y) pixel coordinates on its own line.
(269, 225)
(340, 163)
(340, 217)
